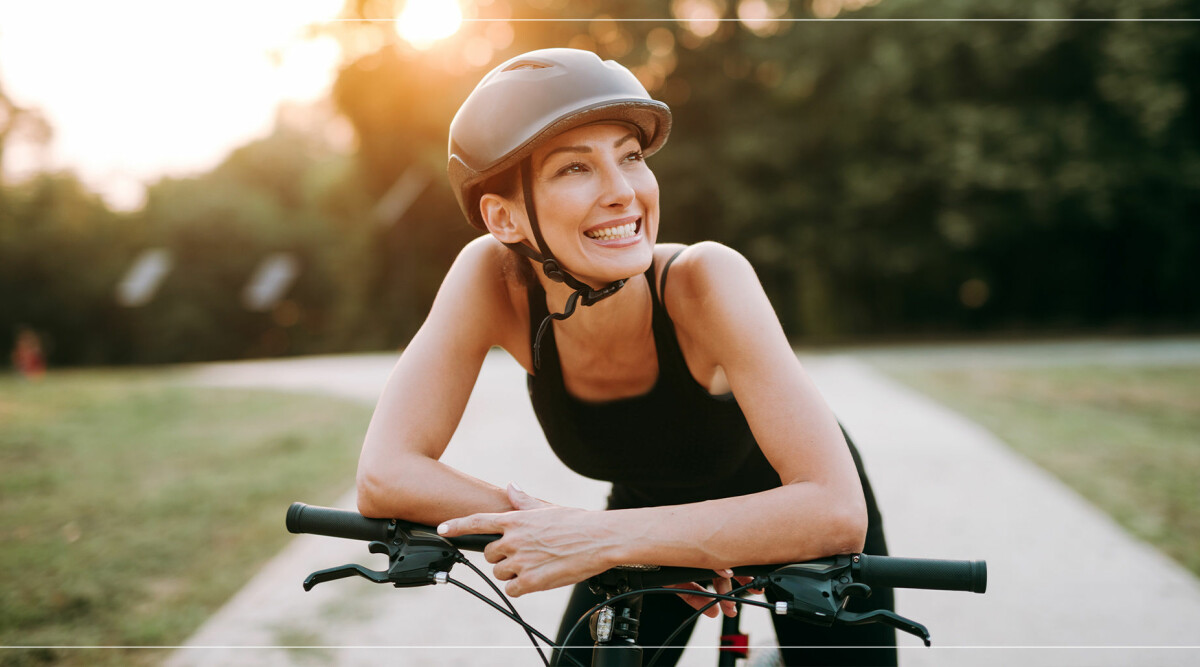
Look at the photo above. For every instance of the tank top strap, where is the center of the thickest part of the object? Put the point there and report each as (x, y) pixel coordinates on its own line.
(659, 289)
(538, 311)
(671, 363)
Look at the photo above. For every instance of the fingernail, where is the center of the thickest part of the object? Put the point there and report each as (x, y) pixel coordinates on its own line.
(443, 529)
(516, 488)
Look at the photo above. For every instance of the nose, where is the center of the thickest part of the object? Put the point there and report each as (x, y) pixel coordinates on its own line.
(618, 188)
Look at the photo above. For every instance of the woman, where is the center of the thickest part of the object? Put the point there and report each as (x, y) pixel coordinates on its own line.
(547, 156)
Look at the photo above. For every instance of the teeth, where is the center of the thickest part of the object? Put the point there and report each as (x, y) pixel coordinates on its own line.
(611, 233)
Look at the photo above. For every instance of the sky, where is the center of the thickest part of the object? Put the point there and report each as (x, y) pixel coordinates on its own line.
(137, 89)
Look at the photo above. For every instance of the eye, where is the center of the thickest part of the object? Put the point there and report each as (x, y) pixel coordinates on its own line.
(635, 156)
(573, 168)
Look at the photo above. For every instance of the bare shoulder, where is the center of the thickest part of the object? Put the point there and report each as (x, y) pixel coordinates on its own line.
(719, 308)
(479, 294)
(482, 263)
(707, 273)
(482, 253)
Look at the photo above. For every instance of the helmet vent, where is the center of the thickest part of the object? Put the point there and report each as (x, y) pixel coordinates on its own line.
(524, 65)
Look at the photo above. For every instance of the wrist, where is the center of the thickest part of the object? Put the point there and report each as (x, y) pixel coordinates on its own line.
(616, 546)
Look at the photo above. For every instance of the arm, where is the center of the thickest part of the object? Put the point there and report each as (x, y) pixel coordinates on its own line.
(723, 315)
(399, 474)
(725, 321)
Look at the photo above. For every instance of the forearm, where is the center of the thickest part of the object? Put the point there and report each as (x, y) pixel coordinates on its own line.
(423, 490)
(792, 523)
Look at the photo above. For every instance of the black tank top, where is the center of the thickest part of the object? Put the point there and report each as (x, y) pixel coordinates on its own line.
(674, 444)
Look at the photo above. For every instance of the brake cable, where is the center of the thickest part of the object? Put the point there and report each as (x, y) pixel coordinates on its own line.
(516, 616)
(696, 615)
(717, 597)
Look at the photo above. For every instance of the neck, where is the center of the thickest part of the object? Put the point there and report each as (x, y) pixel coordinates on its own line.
(627, 310)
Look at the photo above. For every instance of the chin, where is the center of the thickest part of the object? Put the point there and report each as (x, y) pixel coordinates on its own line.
(632, 262)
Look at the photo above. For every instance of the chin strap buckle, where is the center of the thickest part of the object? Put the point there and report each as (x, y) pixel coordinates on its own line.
(554, 271)
(592, 296)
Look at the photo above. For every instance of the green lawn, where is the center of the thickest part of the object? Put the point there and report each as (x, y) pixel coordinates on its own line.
(1126, 438)
(132, 507)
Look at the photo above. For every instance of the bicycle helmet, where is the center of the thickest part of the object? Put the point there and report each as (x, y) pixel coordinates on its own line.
(522, 103)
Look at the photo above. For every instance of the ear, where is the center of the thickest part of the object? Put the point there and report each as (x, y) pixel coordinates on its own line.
(501, 218)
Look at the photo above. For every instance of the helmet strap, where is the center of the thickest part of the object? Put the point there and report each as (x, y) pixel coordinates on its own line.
(583, 294)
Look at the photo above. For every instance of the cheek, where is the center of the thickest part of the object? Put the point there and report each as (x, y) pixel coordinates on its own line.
(648, 194)
(647, 187)
(562, 203)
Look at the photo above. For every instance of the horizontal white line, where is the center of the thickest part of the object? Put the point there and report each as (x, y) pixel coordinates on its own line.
(529, 646)
(800, 20)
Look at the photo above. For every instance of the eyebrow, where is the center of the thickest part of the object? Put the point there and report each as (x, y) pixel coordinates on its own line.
(587, 149)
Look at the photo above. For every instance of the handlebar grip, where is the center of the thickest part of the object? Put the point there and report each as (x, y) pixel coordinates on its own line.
(302, 518)
(945, 575)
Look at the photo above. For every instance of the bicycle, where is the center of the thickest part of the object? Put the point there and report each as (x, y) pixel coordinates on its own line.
(813, 591)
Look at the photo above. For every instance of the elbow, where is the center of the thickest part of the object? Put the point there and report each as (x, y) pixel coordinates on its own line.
(850, 527)
(395, 489)
(370, 499)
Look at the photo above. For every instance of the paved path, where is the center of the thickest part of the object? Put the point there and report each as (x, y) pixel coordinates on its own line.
(1066, 584)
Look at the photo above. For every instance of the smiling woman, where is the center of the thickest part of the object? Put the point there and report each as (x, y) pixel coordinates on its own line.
(423, 22)
(684, 394)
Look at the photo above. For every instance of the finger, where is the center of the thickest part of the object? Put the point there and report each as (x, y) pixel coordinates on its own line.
(475, 524)
(521, 500)
(505, 571)
(515, 588)
(696, 601)
(724, 586)
(494, 552)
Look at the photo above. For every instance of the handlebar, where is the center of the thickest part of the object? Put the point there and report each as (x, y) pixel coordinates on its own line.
(302, 518)
(882, 571)
(330, 522)
(927, 573)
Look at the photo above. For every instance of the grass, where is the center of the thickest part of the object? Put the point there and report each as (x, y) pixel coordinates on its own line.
(132, 507)
(1126, 438)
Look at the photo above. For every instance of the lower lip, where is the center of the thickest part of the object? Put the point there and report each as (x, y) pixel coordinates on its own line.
(620, 243)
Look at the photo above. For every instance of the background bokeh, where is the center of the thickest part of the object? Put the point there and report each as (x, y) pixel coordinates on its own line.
(888, 179)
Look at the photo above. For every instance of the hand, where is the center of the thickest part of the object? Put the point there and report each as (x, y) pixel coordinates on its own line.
(543, 545)
(722, 585)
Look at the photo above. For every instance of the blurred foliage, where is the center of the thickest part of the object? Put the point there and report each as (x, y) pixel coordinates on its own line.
(886, 179)
(63, 253)
(917, 177)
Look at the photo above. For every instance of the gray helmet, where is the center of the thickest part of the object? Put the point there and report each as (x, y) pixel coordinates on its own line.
(533, 97)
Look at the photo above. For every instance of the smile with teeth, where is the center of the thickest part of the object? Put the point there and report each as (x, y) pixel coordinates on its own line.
(613, 233)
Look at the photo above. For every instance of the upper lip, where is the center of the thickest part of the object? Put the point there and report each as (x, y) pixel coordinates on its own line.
(613, 223)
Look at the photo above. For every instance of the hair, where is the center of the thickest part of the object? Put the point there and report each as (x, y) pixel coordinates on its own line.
(506, 184)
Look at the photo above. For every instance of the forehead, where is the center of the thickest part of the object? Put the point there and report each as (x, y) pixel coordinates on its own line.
(594, 136)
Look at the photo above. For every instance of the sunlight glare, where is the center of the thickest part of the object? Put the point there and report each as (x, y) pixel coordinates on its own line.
(423, 22)
(157, 88)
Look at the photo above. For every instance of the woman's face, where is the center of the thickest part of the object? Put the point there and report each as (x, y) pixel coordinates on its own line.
(597, 202)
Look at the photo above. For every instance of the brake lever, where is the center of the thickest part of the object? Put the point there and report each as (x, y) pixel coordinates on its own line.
(887, 618)
(414, 559)
(341, 572)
